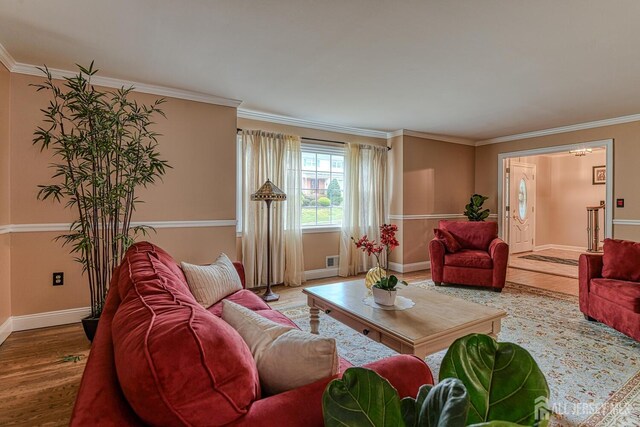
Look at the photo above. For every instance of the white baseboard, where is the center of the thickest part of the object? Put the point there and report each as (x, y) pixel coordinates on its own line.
(49, 318)
(560, 247)
(320, 273)
(5, 330)
(408, 268)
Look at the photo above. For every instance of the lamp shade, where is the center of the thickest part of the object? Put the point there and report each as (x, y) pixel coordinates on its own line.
(269, 191)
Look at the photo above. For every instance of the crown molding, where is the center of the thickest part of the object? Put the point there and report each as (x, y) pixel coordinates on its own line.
(434, 136)
(6, 58)
(311, 124)
(164, 91)
(437, 137)
(562, 129)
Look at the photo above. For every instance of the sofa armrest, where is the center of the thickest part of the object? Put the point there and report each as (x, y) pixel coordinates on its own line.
(589, 267)
(499, 253)
(240, 269)
(303, 406)
(436, 258)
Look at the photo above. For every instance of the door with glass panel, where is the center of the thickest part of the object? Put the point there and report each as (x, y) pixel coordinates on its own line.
(522, 201)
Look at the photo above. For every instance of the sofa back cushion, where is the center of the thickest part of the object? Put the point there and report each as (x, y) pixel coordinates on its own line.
(177, 364)
(471, 234)
(136, 260)
(621, 260)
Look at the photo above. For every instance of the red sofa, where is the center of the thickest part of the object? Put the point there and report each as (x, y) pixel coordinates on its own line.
(610, 286)
(481, 261)
(151, 327)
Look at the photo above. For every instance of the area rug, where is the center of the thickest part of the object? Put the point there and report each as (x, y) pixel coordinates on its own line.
(593, 371)
(556, 260)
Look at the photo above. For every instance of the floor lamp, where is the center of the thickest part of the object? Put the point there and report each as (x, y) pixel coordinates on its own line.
(269, 193)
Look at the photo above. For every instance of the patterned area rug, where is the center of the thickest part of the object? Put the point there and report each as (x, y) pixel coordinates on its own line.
(593, 371)
(556, 260)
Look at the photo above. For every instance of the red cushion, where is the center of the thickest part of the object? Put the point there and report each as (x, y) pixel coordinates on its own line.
(243, 297)
(624, 294)
(135, 259)
(178, 364)
(621, 260)
(471, 234)
(469, 258)
(450, 242)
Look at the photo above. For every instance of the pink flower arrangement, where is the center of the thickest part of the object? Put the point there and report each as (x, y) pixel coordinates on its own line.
(388, 243)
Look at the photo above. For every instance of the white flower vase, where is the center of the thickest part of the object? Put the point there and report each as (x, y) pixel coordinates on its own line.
(384, 297)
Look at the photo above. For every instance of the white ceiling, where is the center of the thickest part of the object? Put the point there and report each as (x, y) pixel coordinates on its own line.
(474, 69)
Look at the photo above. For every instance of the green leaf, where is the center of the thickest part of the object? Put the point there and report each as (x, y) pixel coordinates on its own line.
(361, 398)
(502, 379)
(444, 405)
(411, 407)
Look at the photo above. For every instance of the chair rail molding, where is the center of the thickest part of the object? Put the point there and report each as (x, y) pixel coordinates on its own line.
(35, 228)
(433, 216)
(626, 222)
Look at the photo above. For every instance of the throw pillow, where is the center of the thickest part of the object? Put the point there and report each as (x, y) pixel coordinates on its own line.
(621, 260)
(450, 242)
(210, 283)
(286, 357)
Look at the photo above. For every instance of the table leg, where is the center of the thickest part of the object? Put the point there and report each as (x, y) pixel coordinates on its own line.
(314, 319)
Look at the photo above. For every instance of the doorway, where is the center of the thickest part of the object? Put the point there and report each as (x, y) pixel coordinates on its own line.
(543, 199)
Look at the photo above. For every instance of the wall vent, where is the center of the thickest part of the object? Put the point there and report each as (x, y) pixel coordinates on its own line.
(333, 261)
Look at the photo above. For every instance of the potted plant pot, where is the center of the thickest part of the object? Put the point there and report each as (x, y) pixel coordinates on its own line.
(384, 297)
(90, 325)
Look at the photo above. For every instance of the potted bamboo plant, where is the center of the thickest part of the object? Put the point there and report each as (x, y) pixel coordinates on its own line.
(104, 150)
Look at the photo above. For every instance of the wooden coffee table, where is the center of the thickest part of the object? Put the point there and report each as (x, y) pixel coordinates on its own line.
(432, 324)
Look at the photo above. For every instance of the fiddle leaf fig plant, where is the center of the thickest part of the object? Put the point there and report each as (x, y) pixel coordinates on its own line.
(361, 398)
(502, 379)
(104, 150)
(474, 210)
(482, 384)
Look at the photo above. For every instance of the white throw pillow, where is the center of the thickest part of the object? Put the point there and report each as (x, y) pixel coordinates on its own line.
(286, 357)
(210, 283)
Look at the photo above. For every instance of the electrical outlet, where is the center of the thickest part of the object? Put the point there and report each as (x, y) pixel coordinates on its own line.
(58, 279)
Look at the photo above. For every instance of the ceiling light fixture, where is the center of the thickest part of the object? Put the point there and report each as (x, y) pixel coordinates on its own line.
(581, 152)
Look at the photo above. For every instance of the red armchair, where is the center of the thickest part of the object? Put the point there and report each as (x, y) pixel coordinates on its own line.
(480, 261)
(610, 286)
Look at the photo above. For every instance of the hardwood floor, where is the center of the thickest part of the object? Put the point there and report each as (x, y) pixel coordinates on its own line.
(38, 388)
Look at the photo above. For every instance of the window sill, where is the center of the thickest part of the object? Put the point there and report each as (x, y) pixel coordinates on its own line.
(312, 230)
(321, 229)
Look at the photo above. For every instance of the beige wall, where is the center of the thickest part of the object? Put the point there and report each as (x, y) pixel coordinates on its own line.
(437, 178)
(626, 173)
(563, 190)
(5, 199)
(396, 192)
(197, 139)
(316, 246)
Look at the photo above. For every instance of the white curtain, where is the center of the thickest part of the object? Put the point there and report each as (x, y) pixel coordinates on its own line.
(365, 205)
(276, 157)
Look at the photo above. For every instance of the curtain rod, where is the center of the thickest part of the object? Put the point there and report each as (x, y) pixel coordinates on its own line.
(238, 130)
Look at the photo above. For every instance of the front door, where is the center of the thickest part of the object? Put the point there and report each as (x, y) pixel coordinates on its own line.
(522, 200)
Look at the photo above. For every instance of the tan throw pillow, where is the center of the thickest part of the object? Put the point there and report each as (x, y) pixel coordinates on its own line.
(286, 357)
(210, 283)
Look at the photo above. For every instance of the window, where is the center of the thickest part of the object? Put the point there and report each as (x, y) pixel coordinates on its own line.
(322, 185)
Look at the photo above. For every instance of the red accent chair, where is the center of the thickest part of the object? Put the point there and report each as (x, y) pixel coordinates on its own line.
(610, 286)
(155, 346)
(481, 261)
